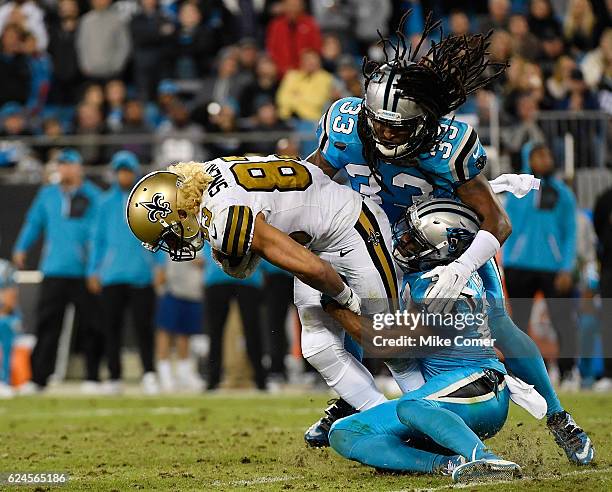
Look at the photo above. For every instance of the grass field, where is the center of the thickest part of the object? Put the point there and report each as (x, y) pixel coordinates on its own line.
(252, 441)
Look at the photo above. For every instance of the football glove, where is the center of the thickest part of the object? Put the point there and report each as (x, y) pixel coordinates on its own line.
(449, 282)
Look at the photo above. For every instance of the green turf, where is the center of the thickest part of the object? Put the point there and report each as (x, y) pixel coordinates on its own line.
(224, 442)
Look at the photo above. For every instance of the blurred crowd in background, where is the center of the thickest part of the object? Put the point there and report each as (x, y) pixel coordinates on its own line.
(145, 83)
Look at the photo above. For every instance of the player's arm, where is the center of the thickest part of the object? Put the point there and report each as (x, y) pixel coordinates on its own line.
(494, 230)
(318, 160)
(361, 329)
(280, 250)
(478, 194)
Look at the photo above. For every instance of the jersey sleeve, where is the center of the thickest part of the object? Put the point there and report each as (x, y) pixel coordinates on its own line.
(231, 230)
(337, 132)
(458, 157)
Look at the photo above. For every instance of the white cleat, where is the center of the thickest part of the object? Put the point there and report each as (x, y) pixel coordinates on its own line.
(29, 388)
(149, 384)
(6, 391)
(112, 387)
(604, 385)
(486, 470)
(91, 388)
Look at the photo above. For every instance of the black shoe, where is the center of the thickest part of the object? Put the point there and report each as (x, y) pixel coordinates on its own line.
(571, 438)
(317, 435)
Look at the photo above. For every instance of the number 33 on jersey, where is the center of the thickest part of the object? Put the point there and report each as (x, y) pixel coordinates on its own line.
(457, 158)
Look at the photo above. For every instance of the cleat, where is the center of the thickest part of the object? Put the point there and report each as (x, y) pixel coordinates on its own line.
(317, 435)
(571, 438)
(486, 470)
(451, 465)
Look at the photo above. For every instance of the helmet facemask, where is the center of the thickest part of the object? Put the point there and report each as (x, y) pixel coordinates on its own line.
(173, 241)
(155, 219)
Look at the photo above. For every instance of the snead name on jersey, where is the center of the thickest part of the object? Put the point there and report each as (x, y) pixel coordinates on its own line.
(294, 196)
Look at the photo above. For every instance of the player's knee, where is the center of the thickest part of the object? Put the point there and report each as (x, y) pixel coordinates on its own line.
(332, 363)
(410, 411)
(343, 437)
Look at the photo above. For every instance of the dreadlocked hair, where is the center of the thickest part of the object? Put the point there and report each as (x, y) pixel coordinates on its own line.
(439, 81)
(194, 181)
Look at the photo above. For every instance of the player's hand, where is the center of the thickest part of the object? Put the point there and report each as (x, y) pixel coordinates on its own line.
(451, 279)
(349, 299)
(19, 259)
(563, 282)
(93, 285)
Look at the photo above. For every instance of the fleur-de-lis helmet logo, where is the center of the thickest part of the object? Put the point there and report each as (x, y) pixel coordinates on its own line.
(158, 209)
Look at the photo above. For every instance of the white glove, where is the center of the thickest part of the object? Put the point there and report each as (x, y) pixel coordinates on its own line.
(349, 299)
(451, 280)
(517, 184)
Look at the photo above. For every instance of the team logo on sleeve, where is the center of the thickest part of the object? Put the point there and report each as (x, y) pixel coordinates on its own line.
(157, 207)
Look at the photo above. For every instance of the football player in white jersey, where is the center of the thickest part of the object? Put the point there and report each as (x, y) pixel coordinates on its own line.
(290, 213)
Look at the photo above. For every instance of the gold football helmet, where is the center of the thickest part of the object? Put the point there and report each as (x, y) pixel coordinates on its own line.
(154, 218)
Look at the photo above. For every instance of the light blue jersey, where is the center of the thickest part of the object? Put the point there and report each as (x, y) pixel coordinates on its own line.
(468, 321)
(458, 157)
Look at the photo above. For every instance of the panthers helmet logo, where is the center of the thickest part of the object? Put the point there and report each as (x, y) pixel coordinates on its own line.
(158, 209)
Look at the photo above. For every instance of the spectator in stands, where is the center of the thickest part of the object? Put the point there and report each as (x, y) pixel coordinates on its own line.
(15, 75)
(331, 51)
(335, 17)
(526, 129)
(62, 48)
(597, 61)
(578, 97)
(542, 20)
(14, 126)
(524, 43)
(29, 16)
(114, 95)
(247, 58)
(10, 321)
(459, 23)
(579, 26)
(602, 220)
(195, 44)
(290, 34)
(558, 84)
(40, 69)
(103, 42)
(151, 33)
(266, 120)
(222, 120)
(228, 83)
(372, 16)
(265, 85)
(552, 48)
(244, 17)
(123, 273)
(179, 317)
(304, 93)
(63, 213)
(180, 139)
(167, 95)
(134, 124)
(219, 291)
(94, 95)
(349, 82)
(498, 16)
(540, 255)
(89, 125)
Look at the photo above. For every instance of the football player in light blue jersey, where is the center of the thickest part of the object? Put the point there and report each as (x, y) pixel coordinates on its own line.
(396, 145)
(439, 427)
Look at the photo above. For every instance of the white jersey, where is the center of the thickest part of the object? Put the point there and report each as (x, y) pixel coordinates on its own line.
(294, 196)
